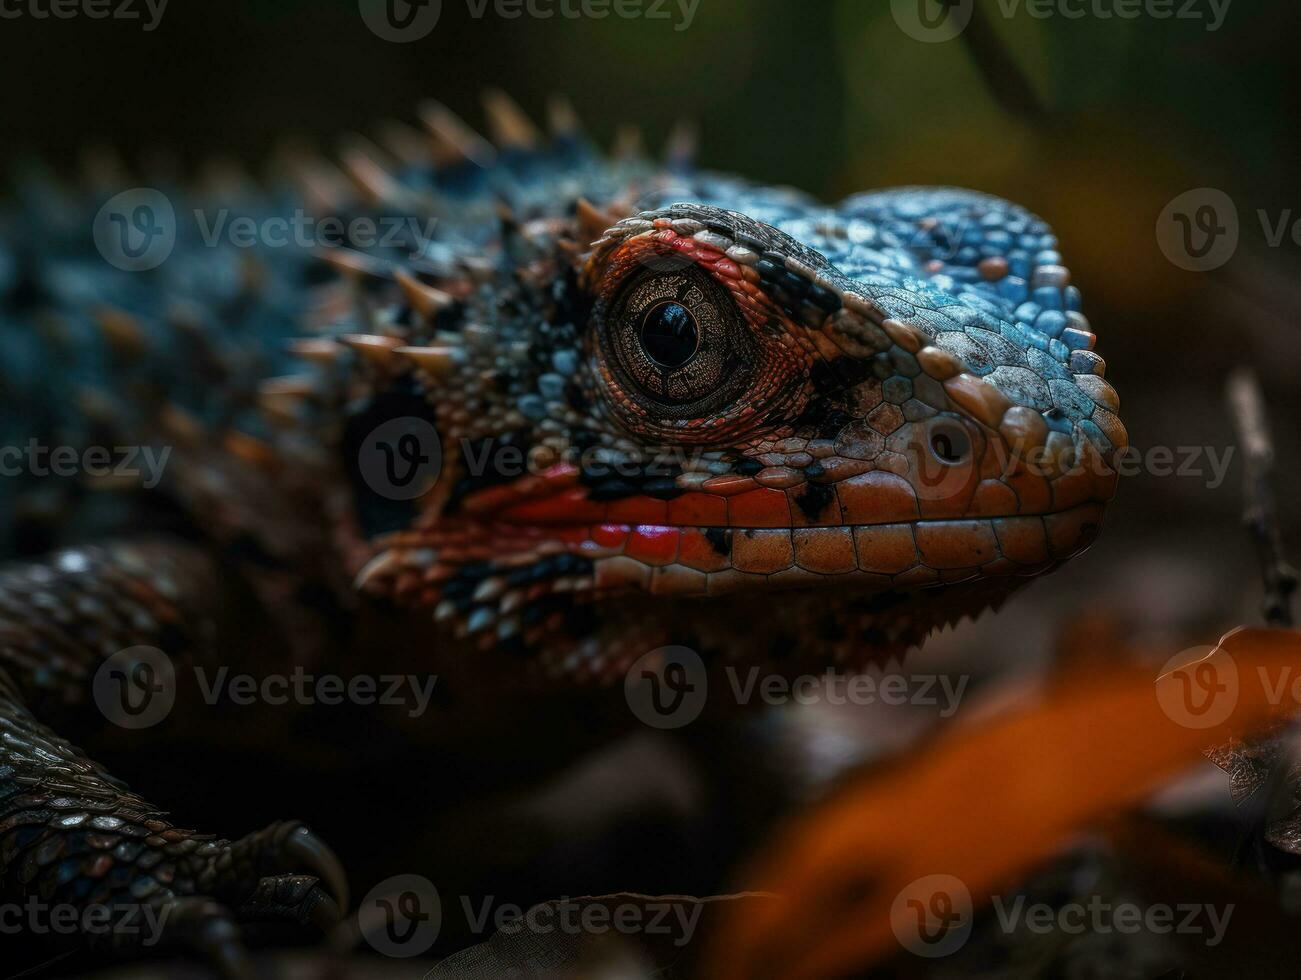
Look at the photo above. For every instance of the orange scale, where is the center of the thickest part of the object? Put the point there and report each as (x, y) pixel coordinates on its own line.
(729, 485)
(727, 268)
(705, 255)
(638, 510)
(698, 552)
(698, 509)
(994, 498)
(1032, 490)
(759, 508)
(653, 545)
(1071, 489)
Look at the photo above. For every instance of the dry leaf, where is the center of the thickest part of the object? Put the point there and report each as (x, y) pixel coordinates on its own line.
(984, 804)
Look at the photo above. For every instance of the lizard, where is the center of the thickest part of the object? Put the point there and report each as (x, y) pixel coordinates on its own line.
(647, 403)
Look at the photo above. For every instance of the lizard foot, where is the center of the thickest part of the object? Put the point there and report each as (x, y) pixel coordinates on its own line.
(181, 893)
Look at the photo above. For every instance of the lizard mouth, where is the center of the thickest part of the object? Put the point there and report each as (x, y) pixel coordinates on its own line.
(872, 532)
(898, 556)
(546, 534)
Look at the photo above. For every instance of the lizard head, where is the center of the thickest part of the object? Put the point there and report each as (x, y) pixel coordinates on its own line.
(763, 425)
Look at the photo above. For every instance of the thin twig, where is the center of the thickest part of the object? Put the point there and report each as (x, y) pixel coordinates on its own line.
(1260, 515)
(1010, 85)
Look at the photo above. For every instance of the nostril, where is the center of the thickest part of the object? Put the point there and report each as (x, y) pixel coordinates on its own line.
(950, 445)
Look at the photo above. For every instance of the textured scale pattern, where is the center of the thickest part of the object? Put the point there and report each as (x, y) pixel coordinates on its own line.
(874, 418)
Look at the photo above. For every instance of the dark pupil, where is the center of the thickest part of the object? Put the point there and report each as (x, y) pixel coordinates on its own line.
(669, 335)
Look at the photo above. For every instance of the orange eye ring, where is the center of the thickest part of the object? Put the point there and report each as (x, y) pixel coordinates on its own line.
(677, 343)
(741, 373)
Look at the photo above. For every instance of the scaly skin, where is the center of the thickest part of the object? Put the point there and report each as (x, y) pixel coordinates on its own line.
(771, 430)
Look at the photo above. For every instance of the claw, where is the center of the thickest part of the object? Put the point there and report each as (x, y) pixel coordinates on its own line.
(309, 853)
(324, 914)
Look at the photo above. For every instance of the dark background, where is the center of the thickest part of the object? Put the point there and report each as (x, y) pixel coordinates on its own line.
(832, 97)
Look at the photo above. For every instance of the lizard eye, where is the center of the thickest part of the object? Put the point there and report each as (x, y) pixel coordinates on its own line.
(677, 344)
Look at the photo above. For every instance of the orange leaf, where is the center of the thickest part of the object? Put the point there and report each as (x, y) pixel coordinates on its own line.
(935, 836)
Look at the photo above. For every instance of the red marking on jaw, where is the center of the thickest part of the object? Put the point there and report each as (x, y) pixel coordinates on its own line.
(535, 487)
(653, 544)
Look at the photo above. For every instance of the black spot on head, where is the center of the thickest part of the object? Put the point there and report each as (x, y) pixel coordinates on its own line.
(720, 539)
(654, 479)
(839, 373)
(825, 418)
(611, 489)
(815, 498)
(832, 424)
